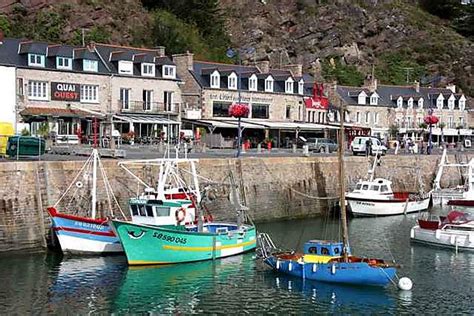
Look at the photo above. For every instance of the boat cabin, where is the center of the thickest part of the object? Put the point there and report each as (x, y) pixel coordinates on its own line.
(377, 186)
(159, 212)
(321, 251)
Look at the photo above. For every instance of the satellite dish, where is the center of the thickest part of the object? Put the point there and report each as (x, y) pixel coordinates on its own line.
(230, 53)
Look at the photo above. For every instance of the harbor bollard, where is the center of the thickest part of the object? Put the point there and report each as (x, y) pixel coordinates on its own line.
(305, 150)
(259, 148)
(294, 148)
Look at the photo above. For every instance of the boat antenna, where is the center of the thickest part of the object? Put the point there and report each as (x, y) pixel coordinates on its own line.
(342, 201)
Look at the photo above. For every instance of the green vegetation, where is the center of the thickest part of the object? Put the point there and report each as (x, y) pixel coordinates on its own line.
(343, 74)
(392, 68)
(4, 25)
(98, 34)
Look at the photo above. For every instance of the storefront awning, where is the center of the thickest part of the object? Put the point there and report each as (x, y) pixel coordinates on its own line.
(260, 124)
(218, 123)
(144, 118)
(31, 112)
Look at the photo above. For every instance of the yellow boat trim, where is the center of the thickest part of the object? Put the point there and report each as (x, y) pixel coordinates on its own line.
(181, 248)
(142, 262)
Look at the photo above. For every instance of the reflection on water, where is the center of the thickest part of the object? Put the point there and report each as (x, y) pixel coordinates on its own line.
(51, 284)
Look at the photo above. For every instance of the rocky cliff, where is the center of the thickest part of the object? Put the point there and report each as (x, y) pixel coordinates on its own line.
(338, 39)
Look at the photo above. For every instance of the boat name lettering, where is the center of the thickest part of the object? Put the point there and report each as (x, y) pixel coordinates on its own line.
(164, 237)
(89, 225)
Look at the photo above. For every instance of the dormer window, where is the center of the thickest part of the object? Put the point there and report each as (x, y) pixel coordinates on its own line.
(410, 103)
(289, 85)
(148, 70)
(215, 79)
(374, 99)
(253, 83)
(462, 103)
(269, 84)
(35, 60)
(301, 87)
(63, 63)
(169, 72)
(451, 102)
(439, 102)
(90, 65)
(125, 67)
(362, 98)
(420, 103)
(400, 102)
(232, 81)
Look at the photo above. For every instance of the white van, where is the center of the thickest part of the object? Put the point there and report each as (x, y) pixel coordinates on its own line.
(358, 145)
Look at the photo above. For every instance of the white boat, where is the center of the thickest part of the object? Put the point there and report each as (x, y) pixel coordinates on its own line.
(456, 230)
(376, 198)
(461, 195)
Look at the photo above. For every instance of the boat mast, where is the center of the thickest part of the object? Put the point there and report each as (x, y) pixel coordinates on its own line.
(342, 200)
(94, 182)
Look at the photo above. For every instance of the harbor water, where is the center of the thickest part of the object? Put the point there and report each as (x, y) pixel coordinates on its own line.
(52, 284)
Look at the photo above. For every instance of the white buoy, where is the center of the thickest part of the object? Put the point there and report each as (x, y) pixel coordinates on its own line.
(405, 284)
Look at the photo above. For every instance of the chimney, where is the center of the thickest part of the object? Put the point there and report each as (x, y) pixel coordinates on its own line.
(91, 46)
(451, 87)
(184, 61)
(417, 86)
(296, 69)
(160, 51)
(263, 65)
(370, 83)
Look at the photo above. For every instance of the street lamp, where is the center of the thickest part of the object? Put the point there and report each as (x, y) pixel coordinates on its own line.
(430, 120)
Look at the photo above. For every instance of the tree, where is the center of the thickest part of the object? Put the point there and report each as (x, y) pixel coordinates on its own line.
(445, 9)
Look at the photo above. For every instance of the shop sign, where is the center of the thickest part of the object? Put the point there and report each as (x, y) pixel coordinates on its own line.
(231, 97)
(63, 91)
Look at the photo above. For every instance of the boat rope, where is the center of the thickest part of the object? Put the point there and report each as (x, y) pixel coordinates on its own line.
(388, 277)
(108, 187)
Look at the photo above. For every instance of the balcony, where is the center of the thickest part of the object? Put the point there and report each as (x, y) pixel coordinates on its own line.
(149, 107)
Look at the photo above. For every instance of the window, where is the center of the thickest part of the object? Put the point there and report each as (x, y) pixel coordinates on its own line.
(232, 81)
(162, 211)
(269, 84)
(376, 118)
(451, 102)
(125, 98)
(35, 60)
(358, 186)
(149, 210)
(374, 187)
(409, 122)
(134, 209)
(89, 93)
(383, 188)
(410, 103)
(462, 103)
(125, 67)
(37, 90)
(365, 187)
(374, 99)
(147, 99)
(169, 72)
(260, 111)
(90, 65)
(63, 63)
(288, 112)
(367, 117)
(450, 122)
(358, 117)
(362, 97)
(148, 70)
(215, 80)
(420, 103)
(301, 87)
(461, 121)
(142, 210)
(400, 102)
(253, 83)
(220, 109)
(168, 101)
(289, 85)
(19, 85)
(439, 102)
(419, 120)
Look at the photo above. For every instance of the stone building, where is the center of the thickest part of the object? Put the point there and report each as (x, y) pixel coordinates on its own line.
(403, 108)
(275, 98)
(70, 87)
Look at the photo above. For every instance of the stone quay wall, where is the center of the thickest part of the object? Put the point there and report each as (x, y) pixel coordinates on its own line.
(273, 188)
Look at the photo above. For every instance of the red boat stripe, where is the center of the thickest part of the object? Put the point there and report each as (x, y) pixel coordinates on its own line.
(84, 231)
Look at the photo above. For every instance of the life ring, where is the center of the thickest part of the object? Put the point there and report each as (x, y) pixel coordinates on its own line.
(180, 214)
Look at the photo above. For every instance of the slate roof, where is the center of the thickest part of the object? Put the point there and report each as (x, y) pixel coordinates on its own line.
(388, 95)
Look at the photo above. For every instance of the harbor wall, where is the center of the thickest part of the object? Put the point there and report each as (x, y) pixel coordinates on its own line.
(273, 188)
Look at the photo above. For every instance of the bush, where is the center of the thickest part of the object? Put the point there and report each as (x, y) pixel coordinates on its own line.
(343, 74)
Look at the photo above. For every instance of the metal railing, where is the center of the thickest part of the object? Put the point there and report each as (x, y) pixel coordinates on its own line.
(149, 107)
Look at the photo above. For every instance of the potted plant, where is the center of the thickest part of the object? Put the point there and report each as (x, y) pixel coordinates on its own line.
(131, 137)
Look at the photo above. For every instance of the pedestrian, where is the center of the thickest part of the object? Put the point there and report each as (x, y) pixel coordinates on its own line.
(368, 147)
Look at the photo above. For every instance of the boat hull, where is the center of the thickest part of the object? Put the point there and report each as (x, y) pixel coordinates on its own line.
(461, 202)
(371, 207)
(356, 273)
(147, 244)
(81, 235)
(443, 238)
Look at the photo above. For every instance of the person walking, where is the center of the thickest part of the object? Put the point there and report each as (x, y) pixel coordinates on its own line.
(368, 147)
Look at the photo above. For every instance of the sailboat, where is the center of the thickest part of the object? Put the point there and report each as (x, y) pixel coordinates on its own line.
(87, 234)
(169, 237)
(331, 261)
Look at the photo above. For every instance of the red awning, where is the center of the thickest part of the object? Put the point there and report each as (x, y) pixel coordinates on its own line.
(55, 112)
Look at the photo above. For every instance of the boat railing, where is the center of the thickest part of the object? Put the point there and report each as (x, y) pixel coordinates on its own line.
(266, 246)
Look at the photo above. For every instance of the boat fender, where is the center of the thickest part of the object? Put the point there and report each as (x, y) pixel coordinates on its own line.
(438, 234)
(405, 284)
(333, 269)
(315, 267)
(278, 265)
(452, 240)
(180, 214)
(290, 266)
(412, 233)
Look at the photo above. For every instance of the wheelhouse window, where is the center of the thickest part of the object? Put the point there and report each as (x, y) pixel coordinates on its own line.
(374, 187)
(260, 111)
(383, 188)
(169, 72)
(125, 98)
(63, 63)
(220, 109)
(162, 211)
(36, 60)
(38, 90)
(89, 93)
(365, 187)
(90, 65)
(358, 186)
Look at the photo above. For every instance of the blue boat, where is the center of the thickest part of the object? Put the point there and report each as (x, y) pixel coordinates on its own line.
(324, 261)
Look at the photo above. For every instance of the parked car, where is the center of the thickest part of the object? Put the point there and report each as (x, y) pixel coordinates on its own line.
(321, 144)
(358, 145)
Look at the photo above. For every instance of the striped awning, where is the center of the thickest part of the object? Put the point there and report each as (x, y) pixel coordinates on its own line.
(144, 118)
